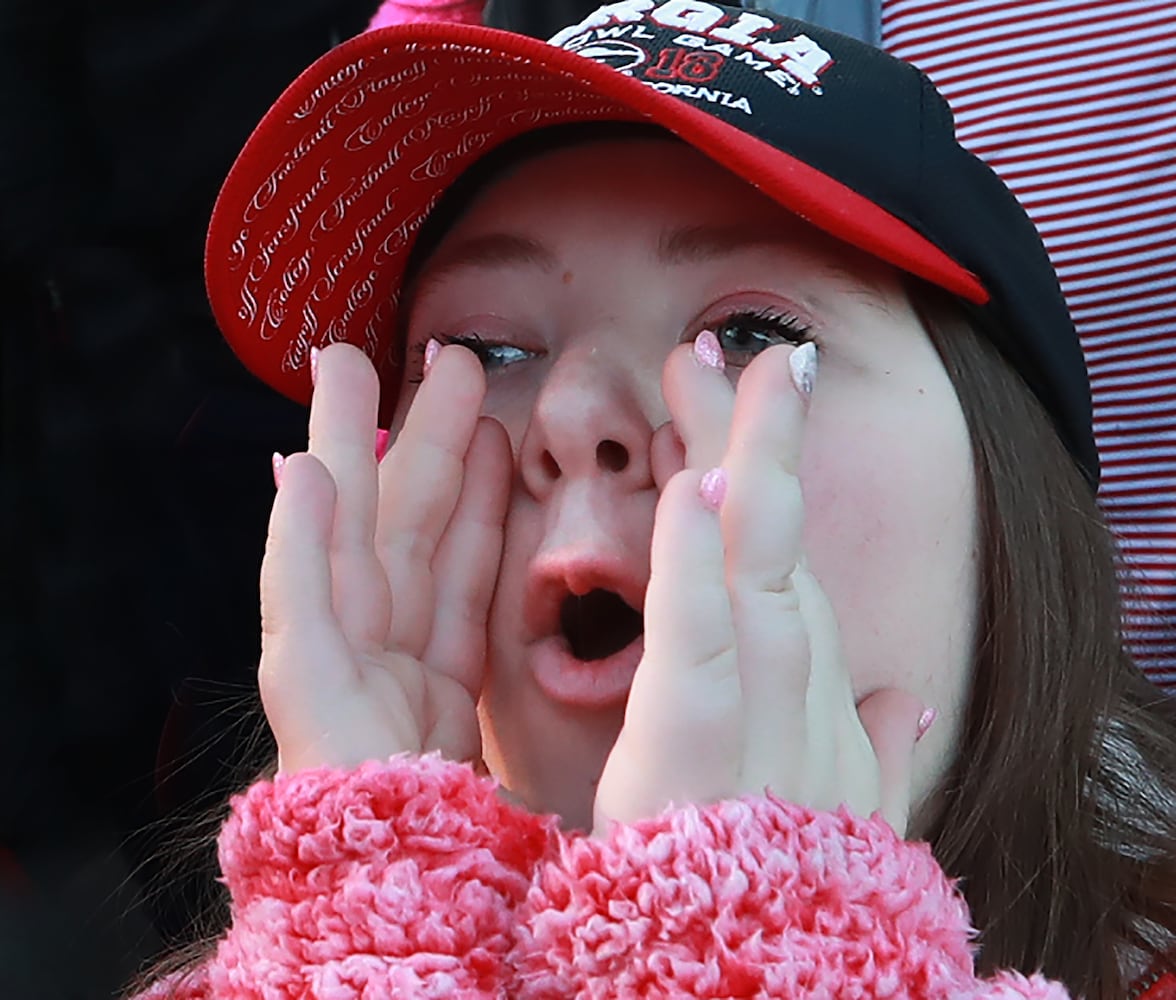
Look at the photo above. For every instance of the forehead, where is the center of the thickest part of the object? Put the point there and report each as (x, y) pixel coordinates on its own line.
(653, 170)
(683, 206)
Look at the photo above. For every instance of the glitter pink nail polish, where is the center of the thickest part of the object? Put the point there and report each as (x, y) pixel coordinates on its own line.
(279, 463)
(926, 720)
(432, 349)
(314, 365)
(713, 489)
(708, 352)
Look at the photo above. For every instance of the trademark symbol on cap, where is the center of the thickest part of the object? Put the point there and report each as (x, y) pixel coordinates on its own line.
(620, 55)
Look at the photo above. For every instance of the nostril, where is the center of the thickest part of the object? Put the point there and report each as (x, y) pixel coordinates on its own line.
(612, 456)
(550, 466)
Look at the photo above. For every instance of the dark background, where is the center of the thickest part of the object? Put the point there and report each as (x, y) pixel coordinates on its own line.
(134, 471)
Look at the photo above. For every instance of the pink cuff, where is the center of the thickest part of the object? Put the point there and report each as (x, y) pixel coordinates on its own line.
(394, 879)
(754, 897)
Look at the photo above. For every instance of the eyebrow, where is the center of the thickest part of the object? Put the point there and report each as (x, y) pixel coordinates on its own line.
(678, 246)
(698, 244)
(492, 250)
(684, 245)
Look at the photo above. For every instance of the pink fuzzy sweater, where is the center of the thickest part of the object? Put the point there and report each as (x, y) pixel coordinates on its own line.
(414, 879)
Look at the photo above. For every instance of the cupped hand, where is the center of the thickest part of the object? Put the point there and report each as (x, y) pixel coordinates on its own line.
(378, 575)
(742, 687)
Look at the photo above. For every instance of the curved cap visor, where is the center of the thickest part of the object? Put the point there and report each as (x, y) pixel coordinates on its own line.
(313, 227)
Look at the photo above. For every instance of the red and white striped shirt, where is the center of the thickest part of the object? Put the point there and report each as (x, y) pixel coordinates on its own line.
(1074, 104)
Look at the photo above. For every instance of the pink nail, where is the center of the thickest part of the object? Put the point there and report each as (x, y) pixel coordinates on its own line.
(713, 488)
(382, 438)
(279, 464)
(432, 349)
(314, 365)
(925, 722)
(708, 352)
(803, 362)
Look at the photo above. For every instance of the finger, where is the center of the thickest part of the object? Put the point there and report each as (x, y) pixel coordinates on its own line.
(667, 455)
(700, 401)
(843, 766)
(768, 411)
(685, 703)
(762, 519)
(799, 697)
(890, 718)
(342, 425)
(296, 569)
(465, 568)
(302, 642)
(420, 483)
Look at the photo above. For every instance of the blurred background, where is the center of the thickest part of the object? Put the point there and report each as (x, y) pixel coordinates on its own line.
(134, 472)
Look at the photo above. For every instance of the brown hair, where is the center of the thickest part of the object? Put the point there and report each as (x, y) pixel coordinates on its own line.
(1059, 815)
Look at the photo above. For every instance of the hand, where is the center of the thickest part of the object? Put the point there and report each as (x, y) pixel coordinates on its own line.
(742, 687)
(377, 579)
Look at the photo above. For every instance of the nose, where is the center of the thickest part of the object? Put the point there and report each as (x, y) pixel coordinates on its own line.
(588, 420)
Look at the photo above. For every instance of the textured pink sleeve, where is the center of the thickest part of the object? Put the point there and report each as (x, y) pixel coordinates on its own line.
(408, 11)
(751, 898)
(392, 880)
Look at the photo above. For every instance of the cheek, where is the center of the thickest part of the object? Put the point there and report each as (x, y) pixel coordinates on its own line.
(508, 400)
(520, 539)
(511, 399)
(890, 534)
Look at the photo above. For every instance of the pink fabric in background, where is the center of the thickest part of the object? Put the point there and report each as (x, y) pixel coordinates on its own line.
(407, 11)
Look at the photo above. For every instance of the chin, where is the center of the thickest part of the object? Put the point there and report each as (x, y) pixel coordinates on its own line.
(548, 755)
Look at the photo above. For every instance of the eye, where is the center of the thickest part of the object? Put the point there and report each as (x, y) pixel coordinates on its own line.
(744, 334)
(493, 355)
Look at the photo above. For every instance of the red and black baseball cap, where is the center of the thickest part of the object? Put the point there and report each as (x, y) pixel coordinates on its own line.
(315, 223)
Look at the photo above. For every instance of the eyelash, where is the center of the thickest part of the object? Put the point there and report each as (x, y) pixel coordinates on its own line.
(782, 328)
(471, 341)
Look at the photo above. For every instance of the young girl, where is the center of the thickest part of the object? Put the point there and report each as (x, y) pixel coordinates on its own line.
(740, 521)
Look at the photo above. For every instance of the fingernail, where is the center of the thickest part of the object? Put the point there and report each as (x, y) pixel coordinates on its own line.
(382, 438)
(314, 365)
(803, 362)
(432, 349)
(713, 489)
(925, 722)
(708, 352)
(279, 463)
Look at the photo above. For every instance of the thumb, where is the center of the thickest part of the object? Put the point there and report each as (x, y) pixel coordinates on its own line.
(667, 455)
(891, 719)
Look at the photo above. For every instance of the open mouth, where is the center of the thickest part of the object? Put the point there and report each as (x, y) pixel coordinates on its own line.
(599, 624)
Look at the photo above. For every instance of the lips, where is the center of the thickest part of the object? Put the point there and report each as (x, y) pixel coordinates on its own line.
(586, 616)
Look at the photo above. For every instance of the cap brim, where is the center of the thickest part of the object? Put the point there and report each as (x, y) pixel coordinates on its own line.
(314, 224)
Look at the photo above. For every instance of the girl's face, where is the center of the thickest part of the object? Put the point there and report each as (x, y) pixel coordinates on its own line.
(578, 272)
